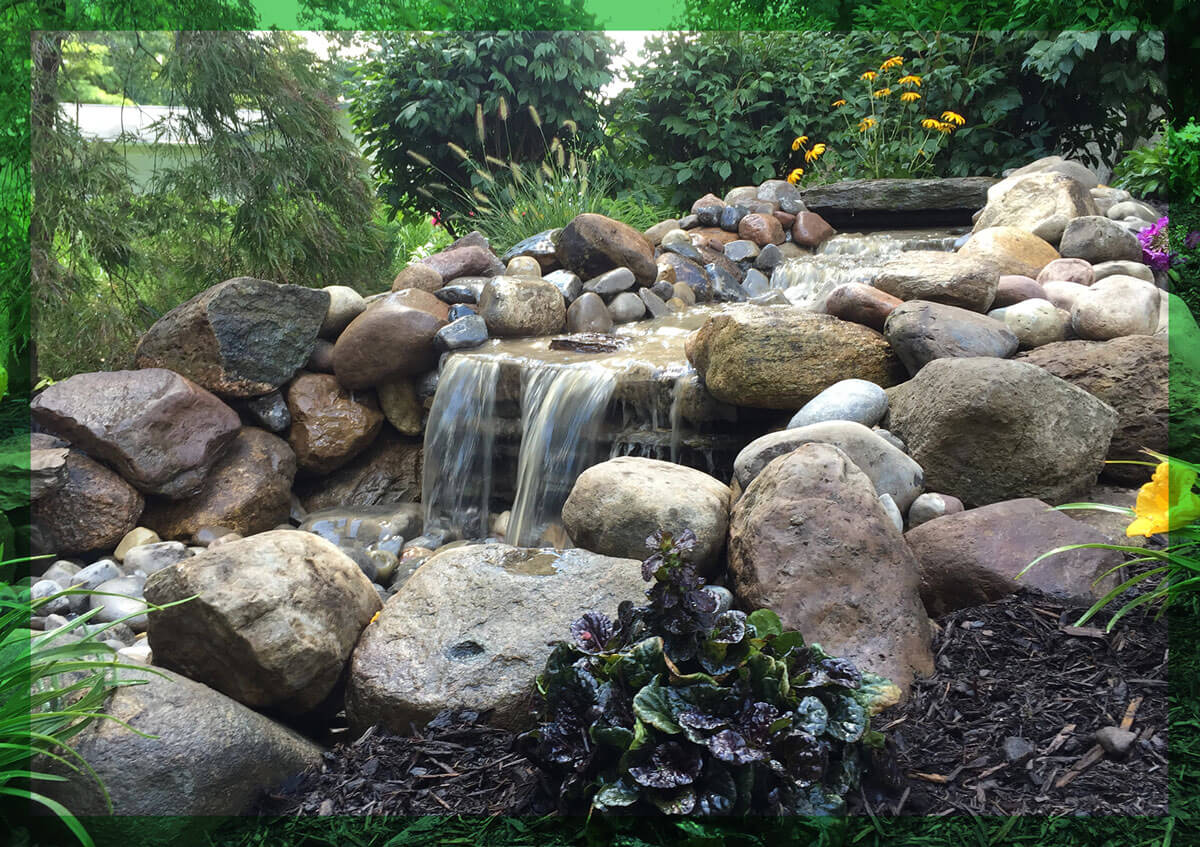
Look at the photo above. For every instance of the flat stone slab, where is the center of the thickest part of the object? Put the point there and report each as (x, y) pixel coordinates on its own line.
(855, 203)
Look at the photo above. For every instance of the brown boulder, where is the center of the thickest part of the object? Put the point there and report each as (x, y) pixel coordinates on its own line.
(811, 230)
(415, 298)
(592, 244)
(418, 276)
(1131, 374)
(391, 339)
(1013, 288)
(389, 471)
(861, 304)
(780, 357)
(973, 557)
(464, 260)
(241, 338)
(92, 510)
(247, 491)
(761, 229)
(159, 430)
(1011, 250)
(330, 425)
(810, 540)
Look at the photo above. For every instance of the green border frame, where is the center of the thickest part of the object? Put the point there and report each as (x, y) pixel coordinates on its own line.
(1181, 827)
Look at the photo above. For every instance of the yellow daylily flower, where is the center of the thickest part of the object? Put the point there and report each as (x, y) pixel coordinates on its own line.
(799, 141)
(883, 92)
(838, 102)
(869, 75)
(1167, 502)
(954, 118)
(894, 62)
(794, 176)
(866, 123)
(910, 79)
(374, 618)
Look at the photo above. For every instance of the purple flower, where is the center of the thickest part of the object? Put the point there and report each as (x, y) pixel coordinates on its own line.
(1193, 238)
(1155, 250)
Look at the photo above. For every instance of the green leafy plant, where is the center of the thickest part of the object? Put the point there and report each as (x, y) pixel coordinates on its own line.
(686, 708)
(1168, 504)
(1169, 168)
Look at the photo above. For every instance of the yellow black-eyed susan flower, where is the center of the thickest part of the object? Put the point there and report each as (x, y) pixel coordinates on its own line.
(815, 153)
(794, 176)
(799, 141)
(883, 92)
(945, 127)
(837, 103)
(869, 75)
(930, 123)
(910, 79)
(866, 123)
(954, 118)
(894, 62)
(909, 97)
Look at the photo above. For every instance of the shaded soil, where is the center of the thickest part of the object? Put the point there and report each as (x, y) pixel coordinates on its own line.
(1004, 727)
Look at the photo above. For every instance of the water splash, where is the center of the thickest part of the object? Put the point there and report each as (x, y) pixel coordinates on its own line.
(457, 479)
(561, 413)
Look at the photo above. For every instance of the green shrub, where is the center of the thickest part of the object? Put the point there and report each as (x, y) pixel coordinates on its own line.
(682, 708)
(1167, 169)
(426, 91)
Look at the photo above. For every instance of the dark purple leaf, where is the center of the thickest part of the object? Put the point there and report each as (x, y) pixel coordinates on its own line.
(805, 756)
(685, 542)
(651, 565)
(841, 672)
(592, 632)
(730, 746)
(699, 720)
(671, 764)
(730, 627)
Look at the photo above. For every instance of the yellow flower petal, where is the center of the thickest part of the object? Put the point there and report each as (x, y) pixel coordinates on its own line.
(910, 79)
(838, 102)
(1167, 502)
(909, 97)
(869, 75)
(954, 118)
(794, 176)
(799, 141)
(883, 92)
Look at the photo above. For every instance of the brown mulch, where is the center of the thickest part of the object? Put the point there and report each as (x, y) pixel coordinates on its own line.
(456, 765)
(1015, 669)
(1018, 669)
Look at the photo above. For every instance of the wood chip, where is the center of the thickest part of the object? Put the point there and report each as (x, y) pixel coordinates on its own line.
(1059, 740)
(930, 777)
(1085, 761)
(1130, 711)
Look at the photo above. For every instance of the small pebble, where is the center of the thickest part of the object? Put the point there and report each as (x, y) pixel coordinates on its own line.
(1016, 749)
(1115, 741)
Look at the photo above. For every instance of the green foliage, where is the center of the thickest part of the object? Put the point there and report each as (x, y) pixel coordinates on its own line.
(757, 15)
(1167, 169)
(1168, 504)
(269, 186)
(426, 91)
(462, 15)
(682, 708)
(710, 110)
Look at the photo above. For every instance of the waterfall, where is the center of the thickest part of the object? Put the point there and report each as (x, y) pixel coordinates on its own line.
(561, 412)
(456, 483)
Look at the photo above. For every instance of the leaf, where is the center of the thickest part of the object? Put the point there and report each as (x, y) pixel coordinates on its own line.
(764, 622)
(592, 632)
(681, 801)
(671, 765)
(651, 705)
(805, 757)
(641, 663)
(730, 627)
(615, 795)
(847, 720)
(877, 693)
(811, 716)
(731, 746)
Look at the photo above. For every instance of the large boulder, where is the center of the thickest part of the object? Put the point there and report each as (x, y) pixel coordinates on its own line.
(592, 244)
(888, 468)
(248, 490)
(780, 357)
(1097, 239)
(516, 306)
(175, 751)
(467, 259)
(616, 505)
(240, 338)
(393, 338)
(1057, 164)
(91, 510)
(1011, 250)
(1130, 374)
(1035, 322)
(1025, 201)
(810, 540)
(330, 425)
(920, 332)
(159, 430)
(941, 278)
(859, 203)
(986, 430)
(389, 471)
(272, 622)
(473, 627)
(973, 557)
(1116, 306)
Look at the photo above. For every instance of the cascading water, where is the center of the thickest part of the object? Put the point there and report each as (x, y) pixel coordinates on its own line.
(850, 257)
(456, 483)
(561, 412)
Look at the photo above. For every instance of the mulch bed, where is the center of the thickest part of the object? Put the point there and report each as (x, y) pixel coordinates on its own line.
(1018, 669)
(1015, 669)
